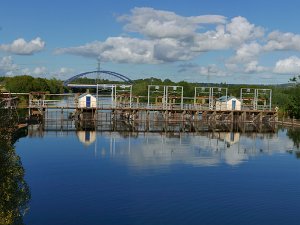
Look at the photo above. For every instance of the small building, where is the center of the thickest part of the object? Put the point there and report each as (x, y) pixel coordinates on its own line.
(228, 103)
(87, 100)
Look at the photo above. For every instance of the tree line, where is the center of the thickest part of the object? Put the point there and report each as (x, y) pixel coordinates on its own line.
(286, 97)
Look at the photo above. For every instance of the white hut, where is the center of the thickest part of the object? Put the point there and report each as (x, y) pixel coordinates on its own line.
(228, 103)
(87, 100)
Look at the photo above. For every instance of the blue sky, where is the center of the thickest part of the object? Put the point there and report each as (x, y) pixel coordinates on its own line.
(229, 41)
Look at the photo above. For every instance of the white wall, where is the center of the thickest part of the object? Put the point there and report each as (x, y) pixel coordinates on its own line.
(228, 105)
(82, 101)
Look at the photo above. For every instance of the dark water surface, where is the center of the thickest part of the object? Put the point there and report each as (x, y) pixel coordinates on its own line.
(147, 178)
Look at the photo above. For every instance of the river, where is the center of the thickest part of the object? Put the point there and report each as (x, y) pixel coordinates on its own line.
(89, 177)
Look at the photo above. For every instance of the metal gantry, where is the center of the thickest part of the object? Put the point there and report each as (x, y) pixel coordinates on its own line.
(256, 99)
(248, 98)
(174, 97)
(205, 97)
(156, 96)
(264, 99)
(165, 97)
(120, 94)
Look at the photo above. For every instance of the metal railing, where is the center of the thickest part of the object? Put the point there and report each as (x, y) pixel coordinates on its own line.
(104, 104)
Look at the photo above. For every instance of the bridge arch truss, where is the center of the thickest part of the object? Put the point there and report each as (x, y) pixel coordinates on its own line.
(113, 74)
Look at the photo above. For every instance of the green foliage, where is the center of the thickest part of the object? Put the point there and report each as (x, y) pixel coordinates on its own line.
(293, 104)
(14, 191)
(26, 84)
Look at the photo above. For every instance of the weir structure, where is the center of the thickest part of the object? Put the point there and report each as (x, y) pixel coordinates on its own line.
(109, 105)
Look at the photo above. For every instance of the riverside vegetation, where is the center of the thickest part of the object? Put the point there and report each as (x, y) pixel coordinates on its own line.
(14, 191)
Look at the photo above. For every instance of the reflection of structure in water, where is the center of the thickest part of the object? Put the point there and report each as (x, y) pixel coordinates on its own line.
(203, 149)
(229, 138)
(86, 137)
(86, 123)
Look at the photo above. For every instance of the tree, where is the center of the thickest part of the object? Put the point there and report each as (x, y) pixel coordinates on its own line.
(293, 103)
(14, 191)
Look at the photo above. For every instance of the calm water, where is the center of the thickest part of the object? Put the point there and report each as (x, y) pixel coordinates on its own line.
(148, 178)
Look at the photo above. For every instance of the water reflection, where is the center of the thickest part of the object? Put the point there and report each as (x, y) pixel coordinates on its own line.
(14, 191)
(205, 149)
(151, 149)
(294, 134)
(86, 137)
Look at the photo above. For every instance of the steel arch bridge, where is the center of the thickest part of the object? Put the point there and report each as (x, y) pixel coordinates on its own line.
(113, 74)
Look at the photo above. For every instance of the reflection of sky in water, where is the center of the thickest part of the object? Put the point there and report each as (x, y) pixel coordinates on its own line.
(206, 149)
(152, 178)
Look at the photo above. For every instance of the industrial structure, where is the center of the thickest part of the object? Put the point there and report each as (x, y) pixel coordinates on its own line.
(163, 104)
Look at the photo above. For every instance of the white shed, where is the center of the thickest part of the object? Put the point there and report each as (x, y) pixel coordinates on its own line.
(87, 101)
(228, 103)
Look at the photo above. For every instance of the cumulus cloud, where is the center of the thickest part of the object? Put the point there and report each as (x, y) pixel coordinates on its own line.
(229, 36)
(170, 37)
(289, 65)
(7, 66)
(39, 71)
(247, 52)
(165, 24)
(241, 30)
(278, 41)
(253, 67)
(171, 50)
(22, 47)
(116, 49)
(164, 36)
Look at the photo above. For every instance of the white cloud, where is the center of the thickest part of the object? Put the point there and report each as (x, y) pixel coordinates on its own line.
(164, 36)
(241, 30)
(7, 66)
(212, 70)
(253, 67)
(35, 72)
(246, 53)
(282, 41)
(290, 65)
(171, 50)
(116, 49)
(21, 47)
(246, 67)
(229, 36)
(39, 71)
(63, 73)
(173, 38)
(165, 24)
(26, 71)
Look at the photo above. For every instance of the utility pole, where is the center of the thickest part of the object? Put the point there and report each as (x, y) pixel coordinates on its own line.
(208, 74)
(98, 70)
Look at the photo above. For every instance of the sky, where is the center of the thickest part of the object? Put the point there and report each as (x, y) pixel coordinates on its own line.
(232, 41)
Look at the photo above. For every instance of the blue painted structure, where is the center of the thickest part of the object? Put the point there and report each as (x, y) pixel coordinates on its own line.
(114, 74)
